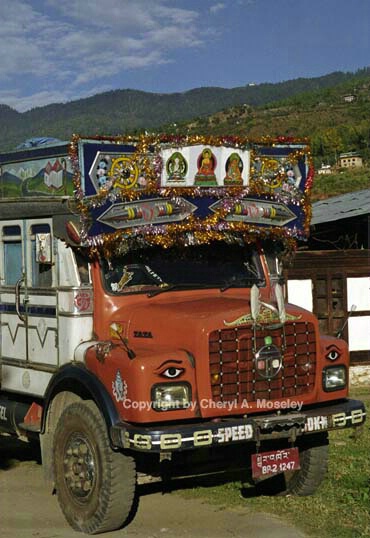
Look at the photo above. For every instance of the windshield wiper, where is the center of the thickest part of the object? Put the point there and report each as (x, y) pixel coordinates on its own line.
(170, 287)
(241, 282)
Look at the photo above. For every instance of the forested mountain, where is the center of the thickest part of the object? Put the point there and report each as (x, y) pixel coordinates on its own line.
(335, 119)
(252, 109)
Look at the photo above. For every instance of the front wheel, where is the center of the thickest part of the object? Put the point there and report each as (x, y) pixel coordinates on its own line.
(313, 455)
(95, 485)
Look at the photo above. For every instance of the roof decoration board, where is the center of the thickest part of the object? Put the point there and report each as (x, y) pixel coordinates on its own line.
(165, 190)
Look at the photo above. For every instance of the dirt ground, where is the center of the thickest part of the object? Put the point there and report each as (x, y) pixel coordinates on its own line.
(27, 510)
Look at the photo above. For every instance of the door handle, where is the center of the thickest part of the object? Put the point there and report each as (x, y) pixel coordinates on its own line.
(18, 299)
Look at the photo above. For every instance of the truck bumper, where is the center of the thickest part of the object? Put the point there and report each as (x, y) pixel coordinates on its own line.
(226, 431)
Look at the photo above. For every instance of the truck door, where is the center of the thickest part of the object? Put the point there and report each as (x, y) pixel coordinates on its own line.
(28, 306)
(13, 327)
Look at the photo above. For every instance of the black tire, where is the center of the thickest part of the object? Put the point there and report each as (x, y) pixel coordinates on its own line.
(313, 456)
(95, 486)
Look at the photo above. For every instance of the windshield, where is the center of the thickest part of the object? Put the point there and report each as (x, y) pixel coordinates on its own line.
(208, 266)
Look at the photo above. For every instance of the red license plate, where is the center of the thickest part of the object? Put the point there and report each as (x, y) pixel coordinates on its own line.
(274, 462)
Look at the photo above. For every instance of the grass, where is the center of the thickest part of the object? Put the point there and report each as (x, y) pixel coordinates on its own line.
(341, 506)
(325, 186)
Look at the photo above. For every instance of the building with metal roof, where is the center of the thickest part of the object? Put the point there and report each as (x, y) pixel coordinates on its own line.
(344, 206)
(331, 273)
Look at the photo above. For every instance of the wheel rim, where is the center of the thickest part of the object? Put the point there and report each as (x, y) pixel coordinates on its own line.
(79, 467)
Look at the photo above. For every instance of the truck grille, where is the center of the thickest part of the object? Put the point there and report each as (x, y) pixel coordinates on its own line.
(233, 369)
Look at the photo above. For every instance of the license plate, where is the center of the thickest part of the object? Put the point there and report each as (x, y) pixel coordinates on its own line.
(274, 462)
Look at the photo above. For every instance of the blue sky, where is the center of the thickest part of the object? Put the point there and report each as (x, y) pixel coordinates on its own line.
(61, 50)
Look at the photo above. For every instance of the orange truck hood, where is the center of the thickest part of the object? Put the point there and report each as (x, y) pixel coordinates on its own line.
(174, 321)
(182, 322)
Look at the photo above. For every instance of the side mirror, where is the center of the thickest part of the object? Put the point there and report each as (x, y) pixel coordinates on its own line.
(340, 332)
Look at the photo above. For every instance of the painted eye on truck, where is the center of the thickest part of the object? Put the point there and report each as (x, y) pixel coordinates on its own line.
(171, 368)
(172, 372)
(333, 354)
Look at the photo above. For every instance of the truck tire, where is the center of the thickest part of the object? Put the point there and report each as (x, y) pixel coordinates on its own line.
(313, 457)
(95, 486)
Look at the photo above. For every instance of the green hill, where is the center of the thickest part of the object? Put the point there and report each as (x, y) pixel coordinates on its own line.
(332, 111)
(335, 120)
(130, 111)
(332, 124)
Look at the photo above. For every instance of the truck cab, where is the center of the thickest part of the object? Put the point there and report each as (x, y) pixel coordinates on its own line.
(144, 328)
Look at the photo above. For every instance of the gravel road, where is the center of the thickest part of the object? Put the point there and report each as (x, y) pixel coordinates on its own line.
(28, 511)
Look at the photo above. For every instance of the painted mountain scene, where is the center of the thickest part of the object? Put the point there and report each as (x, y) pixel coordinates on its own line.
(41, 177)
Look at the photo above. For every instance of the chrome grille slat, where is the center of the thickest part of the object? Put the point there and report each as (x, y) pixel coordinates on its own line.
(232, 368)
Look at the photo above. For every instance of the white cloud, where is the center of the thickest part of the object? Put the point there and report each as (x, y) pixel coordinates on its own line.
(62, 48)
(21, 103)
(217, 7)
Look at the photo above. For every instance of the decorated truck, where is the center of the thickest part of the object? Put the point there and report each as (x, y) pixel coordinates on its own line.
(144, 329)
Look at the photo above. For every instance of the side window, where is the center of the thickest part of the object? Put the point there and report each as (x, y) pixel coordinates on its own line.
(83, 268)
(42, 276)
(12, 252)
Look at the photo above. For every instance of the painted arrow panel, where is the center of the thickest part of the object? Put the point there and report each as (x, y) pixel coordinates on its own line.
(144, 212)
(257, 211)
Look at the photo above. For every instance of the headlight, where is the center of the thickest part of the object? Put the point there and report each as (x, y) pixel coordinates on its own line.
(334, 378)
(169, 397)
